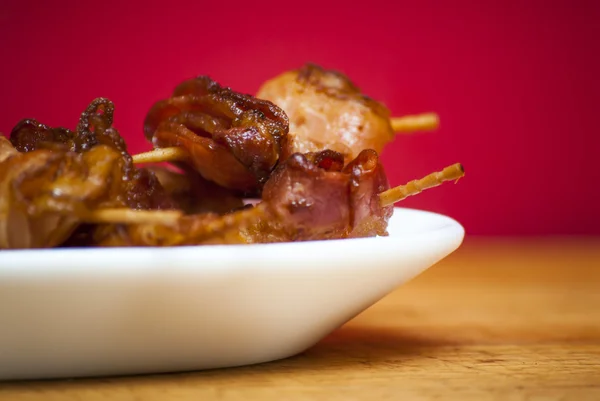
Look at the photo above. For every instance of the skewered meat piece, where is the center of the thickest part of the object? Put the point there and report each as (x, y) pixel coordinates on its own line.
(141, 189)
(203, 201)
(45, 194)
(238, 142)
(315, 197)
(230, 138)
(60, 176)
(327, 111)
(308, 197)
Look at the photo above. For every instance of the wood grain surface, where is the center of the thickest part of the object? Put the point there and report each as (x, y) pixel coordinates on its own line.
(508, 319)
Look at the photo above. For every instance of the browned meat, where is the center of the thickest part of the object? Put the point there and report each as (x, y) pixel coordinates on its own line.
(30, 135)
(309, 202)
(194, 194)
(44, 194)
(232, 139)
(140, 188)
(60, 176)
(94, 128)
(367, 181)
(308, 197)
(199, 229)
(327, 111)
(144, 191)
(323, 182)
(313, 198)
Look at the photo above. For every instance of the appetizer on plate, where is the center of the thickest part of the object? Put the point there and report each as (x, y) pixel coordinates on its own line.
(305, 148)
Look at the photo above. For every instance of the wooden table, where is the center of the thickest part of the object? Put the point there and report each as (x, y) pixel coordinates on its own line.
(499, 319)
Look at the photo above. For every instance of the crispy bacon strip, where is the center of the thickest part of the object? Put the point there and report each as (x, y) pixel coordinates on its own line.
(232, 139)
(94, 128)
(140, 189)
(308, 197)
(314, 197)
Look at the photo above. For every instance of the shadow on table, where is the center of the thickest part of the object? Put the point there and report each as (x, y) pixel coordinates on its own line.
(348, 348)
(352, 346)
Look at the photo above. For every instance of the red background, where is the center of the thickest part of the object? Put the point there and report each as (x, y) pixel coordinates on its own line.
(515, 84)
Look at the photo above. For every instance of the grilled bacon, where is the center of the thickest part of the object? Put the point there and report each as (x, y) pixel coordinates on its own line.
(233, 139)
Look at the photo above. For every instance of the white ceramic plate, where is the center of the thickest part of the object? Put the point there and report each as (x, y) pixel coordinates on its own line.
(91, 312)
